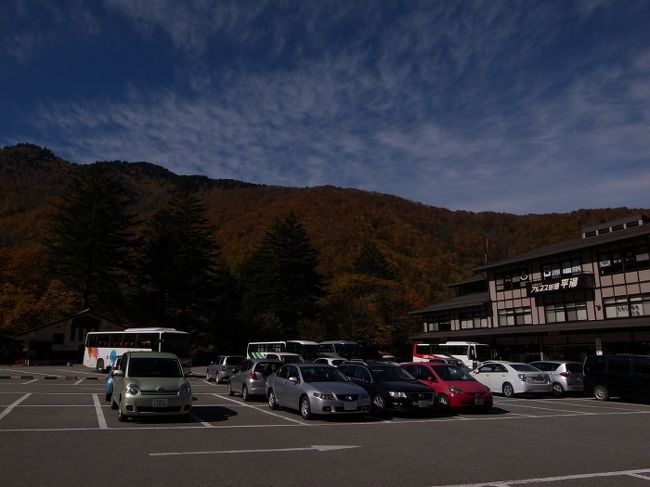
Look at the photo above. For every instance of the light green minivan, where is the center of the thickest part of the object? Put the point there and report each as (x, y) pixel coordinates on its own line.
(150, 384)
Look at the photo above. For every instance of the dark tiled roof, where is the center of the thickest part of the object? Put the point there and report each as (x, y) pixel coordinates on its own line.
(465, 301)
(469, 280)
(572, 245)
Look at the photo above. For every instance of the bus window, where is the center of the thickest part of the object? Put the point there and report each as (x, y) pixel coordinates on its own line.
(102, 340)
(116, 340)
(146, 340)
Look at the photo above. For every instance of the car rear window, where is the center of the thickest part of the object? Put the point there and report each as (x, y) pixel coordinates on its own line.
(524, 368)
(233, 360)
(574, 368)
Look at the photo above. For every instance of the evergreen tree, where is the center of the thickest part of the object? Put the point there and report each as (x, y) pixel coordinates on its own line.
(90, 239)
(371, 262)
(179, 268)
(280, 282)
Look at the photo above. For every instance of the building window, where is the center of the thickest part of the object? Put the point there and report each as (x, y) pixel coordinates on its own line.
(559, 313)
(512, 279)
(566, 266)
(473, 319)
(439, 322)
(627, 306)
(515, 316)
(624, 258)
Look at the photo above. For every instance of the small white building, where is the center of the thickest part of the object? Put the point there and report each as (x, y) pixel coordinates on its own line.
(62, 340)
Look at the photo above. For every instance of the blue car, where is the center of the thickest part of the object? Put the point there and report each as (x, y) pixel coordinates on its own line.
(108, 386)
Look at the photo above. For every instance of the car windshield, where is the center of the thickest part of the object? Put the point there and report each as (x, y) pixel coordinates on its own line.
(448, 372)
(322, 374)
(267, 368)
(389, 373)
(524, 368)
(154, 367)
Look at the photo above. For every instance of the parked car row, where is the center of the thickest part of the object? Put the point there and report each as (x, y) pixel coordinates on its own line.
(152, 383)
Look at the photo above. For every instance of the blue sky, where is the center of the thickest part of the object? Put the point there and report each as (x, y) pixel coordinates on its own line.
(516, 106)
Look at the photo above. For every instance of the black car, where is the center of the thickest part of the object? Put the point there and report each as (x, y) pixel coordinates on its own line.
(390, 387)
(626, 376)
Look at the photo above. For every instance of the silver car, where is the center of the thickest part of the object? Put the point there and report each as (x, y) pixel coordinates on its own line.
(565, 376)
(315, 389)
(249, 378)
(222, 368)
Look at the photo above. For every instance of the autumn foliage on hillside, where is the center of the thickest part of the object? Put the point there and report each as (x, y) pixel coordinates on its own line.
(424, 247)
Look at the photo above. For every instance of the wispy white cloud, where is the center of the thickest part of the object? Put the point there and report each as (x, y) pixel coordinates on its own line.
(452, 104)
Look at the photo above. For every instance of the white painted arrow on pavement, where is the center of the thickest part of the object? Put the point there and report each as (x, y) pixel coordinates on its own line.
(271, 450)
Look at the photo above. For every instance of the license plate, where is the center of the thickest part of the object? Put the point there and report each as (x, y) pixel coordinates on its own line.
(159, 403)
(479, 401)
(349, 406)
(424, 404)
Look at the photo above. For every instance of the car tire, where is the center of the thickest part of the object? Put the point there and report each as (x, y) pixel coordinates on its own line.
(113, 404)
(273, 403)
(378, 404)
(121, 417)
(508, 390)
(244, 394)
(108, 397)
(100, 365)
(558, 390)
(207, 376)
(601, 393)
(443, 402)
(230, 391)
(305, 408)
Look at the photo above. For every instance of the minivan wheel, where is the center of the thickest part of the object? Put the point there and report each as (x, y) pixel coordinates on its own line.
(273, 404)
(244, 394)
(558, 390)
(305, 408)
(100, 365)
(121, 417)
(508, 390)
(230, 391)
(601, 393)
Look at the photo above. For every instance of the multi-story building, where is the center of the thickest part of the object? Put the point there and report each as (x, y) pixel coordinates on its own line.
(560, 301)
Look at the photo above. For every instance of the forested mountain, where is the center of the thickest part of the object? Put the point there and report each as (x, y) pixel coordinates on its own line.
(420, 248)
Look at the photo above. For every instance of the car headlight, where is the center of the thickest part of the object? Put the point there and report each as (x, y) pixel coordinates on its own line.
(522, 377)
(397, 394)
(324, 395)
(185, 390)
(133, 389)
(454, 390)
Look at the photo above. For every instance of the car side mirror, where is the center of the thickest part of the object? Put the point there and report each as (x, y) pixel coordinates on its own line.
(118, 373)
(432, 379)
(294, 379)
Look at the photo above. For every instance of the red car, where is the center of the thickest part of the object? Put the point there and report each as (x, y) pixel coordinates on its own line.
(455, 388)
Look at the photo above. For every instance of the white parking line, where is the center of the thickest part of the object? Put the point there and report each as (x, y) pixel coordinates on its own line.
(29, 372)
(13, 405)
(28, 382)
(100, 414)
(508, 483)
(79, 382)
(271, 413)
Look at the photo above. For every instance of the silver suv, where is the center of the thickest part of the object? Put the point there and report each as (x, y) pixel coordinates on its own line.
(565, 376)
(222, 368)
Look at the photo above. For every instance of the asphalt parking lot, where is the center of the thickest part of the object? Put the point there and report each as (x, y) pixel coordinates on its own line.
(56, 426)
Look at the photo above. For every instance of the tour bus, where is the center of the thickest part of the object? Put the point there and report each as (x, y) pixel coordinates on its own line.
(347, 349)
(472, 354)
(305, 348)
(102, 348)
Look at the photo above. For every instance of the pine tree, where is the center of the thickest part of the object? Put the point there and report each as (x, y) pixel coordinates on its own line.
(90, 239)
(280, 281)
(179, 266)
(371, 262)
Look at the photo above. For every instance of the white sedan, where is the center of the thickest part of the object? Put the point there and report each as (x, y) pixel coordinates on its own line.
(510, 378)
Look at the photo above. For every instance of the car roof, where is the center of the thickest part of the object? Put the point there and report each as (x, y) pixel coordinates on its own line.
(152, 355)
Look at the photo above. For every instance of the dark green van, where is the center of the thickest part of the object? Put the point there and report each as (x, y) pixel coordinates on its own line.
(626, 376)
